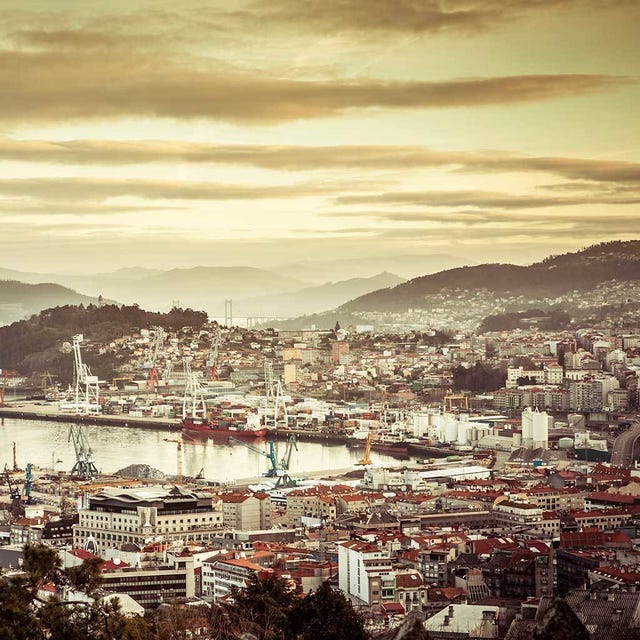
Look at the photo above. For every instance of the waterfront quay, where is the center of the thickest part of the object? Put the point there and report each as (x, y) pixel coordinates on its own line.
(48, 412)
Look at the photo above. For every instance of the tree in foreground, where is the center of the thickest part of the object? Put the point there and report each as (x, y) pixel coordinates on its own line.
(325, 614)
(26, 615)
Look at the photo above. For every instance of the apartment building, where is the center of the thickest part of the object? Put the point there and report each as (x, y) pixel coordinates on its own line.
(220, 576)
(246, 511)
(365, 573)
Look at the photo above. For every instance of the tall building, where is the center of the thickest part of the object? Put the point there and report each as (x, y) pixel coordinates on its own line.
(144, 515)
(365, 573)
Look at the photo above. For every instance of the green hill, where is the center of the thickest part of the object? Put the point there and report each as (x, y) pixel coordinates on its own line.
(38, 344)
(553, 276)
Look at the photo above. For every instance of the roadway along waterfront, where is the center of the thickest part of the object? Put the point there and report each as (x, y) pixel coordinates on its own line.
(116, 447)
(622, 454)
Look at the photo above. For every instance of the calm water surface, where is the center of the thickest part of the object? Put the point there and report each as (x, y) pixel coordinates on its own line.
(117, 447)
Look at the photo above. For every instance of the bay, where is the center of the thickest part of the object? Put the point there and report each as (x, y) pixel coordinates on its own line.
(114, 448)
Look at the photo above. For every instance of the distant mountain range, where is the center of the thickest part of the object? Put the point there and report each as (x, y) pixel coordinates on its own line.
(406, 266)
(19, 300)
(286, 290)
(554, 276)
(313, 299)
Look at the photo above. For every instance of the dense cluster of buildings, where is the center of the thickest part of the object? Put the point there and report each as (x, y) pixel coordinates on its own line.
(475, 544)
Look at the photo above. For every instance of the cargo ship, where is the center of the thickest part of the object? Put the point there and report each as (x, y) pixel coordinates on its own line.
(391, 448)
(223, 428)
(196, 418)
(590, 449)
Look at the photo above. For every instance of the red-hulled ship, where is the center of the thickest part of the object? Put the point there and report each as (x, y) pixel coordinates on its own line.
(224, 428)
(196, 418)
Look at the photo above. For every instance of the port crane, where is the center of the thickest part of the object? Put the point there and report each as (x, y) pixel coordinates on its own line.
(178, 443)
(84, 465)
(18, 500)
(179, 465)
(279, 468)
(153, 379)
(212, 360)
(193, 403)
(87, 392)
(275, 403)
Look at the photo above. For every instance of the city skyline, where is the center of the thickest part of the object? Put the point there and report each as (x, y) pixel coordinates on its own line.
(263, 132)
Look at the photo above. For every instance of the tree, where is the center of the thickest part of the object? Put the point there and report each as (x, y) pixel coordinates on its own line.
(325, 614)
(261, 608)
(26, 615)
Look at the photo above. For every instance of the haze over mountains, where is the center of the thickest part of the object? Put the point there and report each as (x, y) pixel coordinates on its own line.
(283, 290)
(268, 293)
(554, 276)
(19, 300)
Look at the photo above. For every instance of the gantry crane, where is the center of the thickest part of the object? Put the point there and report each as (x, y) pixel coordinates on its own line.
(455, 401)
(87, 385)
(274, 402)
(193, 403)
(279, 468)
(84, 465)
(153, 379)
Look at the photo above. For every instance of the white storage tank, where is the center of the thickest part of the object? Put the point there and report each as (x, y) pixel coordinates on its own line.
(451, 430)
(463, 432)
(527, 427)
(565, 443)
(540, 429)
(420, 424)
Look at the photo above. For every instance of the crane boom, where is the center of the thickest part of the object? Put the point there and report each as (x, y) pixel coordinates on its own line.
(271, 455)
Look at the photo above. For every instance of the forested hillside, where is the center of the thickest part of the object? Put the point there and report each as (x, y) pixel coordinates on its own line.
(36, 344)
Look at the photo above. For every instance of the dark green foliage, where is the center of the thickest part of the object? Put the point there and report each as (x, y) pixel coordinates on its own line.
(263, 606)
(34, 345)
(479, 378)
(559, 623)
(267, 609)
(325, 614)
(554, 319)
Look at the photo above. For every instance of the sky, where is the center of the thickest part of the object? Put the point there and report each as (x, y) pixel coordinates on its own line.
(263, 132)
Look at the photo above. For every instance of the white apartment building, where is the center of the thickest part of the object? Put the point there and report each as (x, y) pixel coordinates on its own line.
(219, 576)
(144, 515)
(365, 573)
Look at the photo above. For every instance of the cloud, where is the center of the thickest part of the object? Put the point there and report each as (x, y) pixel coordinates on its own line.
(26, 207)
(304, 158)
(81, 39)
(410, 16)
(60, 86)
(480, 199)
(97, 189)
(376, 15)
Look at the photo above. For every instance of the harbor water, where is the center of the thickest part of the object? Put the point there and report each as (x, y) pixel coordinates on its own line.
(45, 443)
